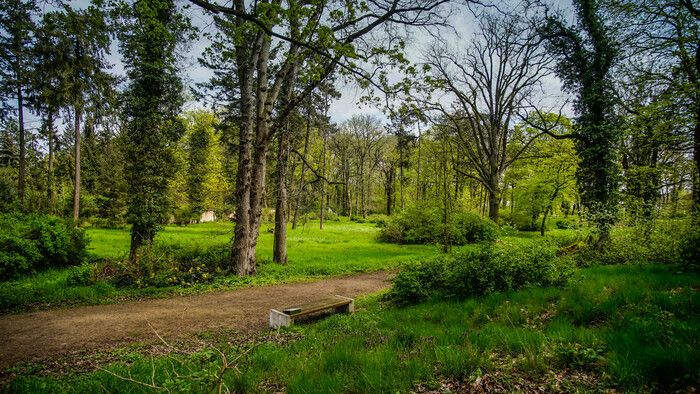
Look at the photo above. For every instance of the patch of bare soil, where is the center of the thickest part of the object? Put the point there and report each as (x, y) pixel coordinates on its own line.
(53, 335)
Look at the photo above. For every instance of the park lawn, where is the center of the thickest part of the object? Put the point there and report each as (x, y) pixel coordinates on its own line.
(341, 248)
(628, 328)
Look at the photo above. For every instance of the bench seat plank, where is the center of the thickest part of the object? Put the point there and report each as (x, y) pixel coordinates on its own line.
(286, 316)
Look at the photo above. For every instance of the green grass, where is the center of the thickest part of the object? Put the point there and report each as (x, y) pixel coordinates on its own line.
(340, 248)
(629, 328)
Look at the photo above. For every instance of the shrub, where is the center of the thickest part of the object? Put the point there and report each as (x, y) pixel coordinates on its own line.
(357, 219)
(18, 256)
(470, 228)
(82, 275)
(690, 251)
(31, 242)
(424, 225)
(567, 224)
(482, 270)
(661, 244)
(166, 265)
(379, 220)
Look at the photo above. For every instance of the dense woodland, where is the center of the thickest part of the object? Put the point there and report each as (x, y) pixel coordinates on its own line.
(527, 170)
(464, 132)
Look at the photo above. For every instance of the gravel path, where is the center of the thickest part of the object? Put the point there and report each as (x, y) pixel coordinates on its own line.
(52, 334)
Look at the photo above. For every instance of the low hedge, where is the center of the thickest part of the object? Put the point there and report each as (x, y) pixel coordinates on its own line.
(33, 242)
(481, 270)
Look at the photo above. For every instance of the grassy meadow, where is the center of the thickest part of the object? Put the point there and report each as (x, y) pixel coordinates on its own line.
(341, 248)
(629, 328)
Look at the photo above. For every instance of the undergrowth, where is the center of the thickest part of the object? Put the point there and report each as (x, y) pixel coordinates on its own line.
(625, 328)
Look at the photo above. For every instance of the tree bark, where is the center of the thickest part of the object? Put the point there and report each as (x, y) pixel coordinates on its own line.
(389, 190)
(76, 185)
(696, 159)
(49, 175)
(323, 181)
(401, 179)
(547, 210)
(418, 180)
(22, 147)
(300, 192)
(279, 253)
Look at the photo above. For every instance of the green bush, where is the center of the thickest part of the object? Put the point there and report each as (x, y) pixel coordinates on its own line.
(482, 270)
(380, 220)
(33, 242)
(425, 225)
(690, 251)
(166, 265)
(18, 256)
(567, 223)
(470, 228)
(661, 244)
(82, 275)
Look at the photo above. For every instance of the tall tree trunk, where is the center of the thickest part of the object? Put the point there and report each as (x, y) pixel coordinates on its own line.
(300, 192)
(323, 175)
(418, 181)
(389, 190)
(49, 175)
(362, 188)
(494, 206)
(137, 240)
(548, 209)
(494, 196)
(76, 185)
(279, 252)
(241, 237)
(696, 159)
(446, 244)
(257, 192)
(401, 179)
(22, 147)
(347, 204)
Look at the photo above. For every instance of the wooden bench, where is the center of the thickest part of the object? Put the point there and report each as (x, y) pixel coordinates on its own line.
(286, 316)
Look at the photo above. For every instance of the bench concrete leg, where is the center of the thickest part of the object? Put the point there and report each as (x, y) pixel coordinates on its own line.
(349, 308)
(279, 319)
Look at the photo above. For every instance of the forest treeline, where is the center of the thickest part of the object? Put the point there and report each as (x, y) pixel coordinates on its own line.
(470, 130)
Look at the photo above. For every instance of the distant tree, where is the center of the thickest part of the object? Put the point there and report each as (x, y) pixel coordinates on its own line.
(16, 40)
(545, 174)
(48, 95)
(490, 86)
(663, 37)
(150, 32)
(82, 39)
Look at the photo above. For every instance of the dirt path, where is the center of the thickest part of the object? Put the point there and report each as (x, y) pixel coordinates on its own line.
(51, 334)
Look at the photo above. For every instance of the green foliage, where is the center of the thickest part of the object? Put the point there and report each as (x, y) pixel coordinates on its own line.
(690, 250)
(199, 184)
(379, 220)
(543, 182)
(664, 243)
(586, 54)
(580, 357)
(34, 242)
(341, 248)
(166, 265)
(425, 225)
(8, 190)
(82, 275)
(149, 33)
(643, 338)
(482, 270)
